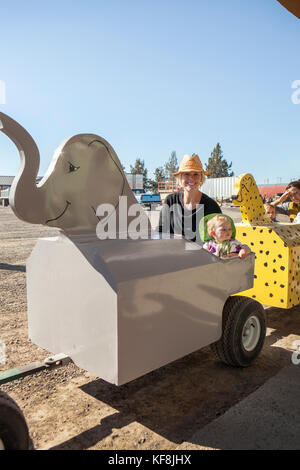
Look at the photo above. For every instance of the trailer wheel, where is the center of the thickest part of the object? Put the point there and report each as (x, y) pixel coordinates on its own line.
(244, 332)
(14, 434)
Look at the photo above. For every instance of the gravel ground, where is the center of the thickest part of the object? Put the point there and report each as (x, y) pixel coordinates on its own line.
(68, 408)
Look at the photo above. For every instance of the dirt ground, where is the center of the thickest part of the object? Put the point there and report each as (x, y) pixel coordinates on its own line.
(68, 408)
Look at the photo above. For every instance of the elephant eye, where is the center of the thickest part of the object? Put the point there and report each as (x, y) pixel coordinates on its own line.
(72, 167)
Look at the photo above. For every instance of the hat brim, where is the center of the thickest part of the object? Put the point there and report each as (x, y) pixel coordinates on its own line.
(192, 171)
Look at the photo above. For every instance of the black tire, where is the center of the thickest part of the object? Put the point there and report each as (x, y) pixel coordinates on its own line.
(237, 311)
(14, 432)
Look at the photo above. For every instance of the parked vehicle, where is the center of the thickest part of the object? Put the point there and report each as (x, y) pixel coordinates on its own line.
(148, 199)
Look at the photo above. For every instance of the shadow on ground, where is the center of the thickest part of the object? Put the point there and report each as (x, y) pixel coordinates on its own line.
(177, 400)
(12, 267)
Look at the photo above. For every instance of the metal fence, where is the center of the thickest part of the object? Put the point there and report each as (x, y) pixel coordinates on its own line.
(135, 181)
(219, 187)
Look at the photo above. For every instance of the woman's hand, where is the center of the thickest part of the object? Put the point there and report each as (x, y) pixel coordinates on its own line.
(282, 198)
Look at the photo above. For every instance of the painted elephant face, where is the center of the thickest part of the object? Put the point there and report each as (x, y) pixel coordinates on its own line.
(85, 173)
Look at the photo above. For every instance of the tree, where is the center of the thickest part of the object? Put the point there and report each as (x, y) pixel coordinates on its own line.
(159, 175)
(139, 168)
(217, 165)
(171, 166)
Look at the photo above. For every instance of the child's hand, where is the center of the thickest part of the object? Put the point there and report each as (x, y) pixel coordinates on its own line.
(244, 252)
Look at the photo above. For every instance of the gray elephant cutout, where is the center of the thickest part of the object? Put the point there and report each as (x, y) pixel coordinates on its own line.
(85, 172)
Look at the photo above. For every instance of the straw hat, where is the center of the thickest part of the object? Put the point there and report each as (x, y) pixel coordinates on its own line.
(189, 164)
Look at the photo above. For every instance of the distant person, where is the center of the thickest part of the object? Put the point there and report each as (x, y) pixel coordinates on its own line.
(218, 232)
(182, 211)
(297, 219)
(271, 211)
(292, 207)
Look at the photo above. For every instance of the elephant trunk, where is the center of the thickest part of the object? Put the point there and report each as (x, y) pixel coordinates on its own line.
(25, 198)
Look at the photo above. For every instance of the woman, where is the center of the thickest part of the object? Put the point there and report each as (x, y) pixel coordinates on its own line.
(182, 211)
(291, 208)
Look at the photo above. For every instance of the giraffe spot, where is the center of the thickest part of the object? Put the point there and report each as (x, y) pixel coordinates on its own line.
(282, 286)
(271, 295)
(274, 271)
(265, 264)
(282, 268)
(266, 283)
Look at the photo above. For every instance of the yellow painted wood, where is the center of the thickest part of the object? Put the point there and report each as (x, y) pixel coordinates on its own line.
(276, 247)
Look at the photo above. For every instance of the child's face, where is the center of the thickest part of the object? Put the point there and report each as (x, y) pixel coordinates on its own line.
(222, 232)
(271, 212)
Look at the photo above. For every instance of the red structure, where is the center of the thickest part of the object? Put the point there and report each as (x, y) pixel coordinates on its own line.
(168, 186)
(269, 190)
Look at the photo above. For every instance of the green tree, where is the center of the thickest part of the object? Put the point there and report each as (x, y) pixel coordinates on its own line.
(139, 168)
(159, 175)
(217, 165)
(171, 166)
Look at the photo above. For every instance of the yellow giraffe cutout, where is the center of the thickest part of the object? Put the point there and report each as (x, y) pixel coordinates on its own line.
(276, 247)
(247, 197)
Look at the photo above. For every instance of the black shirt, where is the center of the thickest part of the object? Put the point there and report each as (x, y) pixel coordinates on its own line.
(175, 218)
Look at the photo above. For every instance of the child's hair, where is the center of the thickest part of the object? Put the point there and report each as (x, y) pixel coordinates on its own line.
(215, 221)
(267, 205)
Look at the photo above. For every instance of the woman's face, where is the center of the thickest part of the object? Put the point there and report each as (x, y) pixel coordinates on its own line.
(191, 180)
(294, 194)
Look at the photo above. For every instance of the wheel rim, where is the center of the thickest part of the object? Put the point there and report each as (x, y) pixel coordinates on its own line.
(251, 333)
(1, 445)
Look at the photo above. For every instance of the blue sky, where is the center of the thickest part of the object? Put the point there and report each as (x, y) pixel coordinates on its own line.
(153, 76)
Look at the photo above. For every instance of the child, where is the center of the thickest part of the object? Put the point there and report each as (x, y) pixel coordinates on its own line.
(271, 211)
(218, 232)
